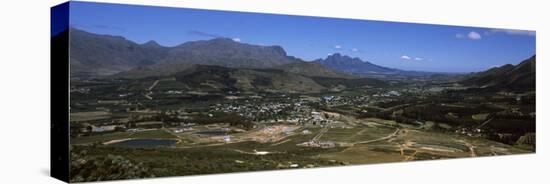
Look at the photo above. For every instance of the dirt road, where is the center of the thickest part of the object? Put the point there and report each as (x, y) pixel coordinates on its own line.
(321, 132)
(382, 138)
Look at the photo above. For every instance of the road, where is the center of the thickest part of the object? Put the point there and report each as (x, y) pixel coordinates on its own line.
(470, 146)
(153, 85)
(281, 142)
(382, 138)
(321, 132)
(410, 157)
(483, 124)
(148, 93)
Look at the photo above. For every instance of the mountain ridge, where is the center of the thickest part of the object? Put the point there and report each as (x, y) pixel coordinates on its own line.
(356, 66)
(353, 65)
(107, 55)
(519, 77)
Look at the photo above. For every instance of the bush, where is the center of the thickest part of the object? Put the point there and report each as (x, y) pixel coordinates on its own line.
(86, 168)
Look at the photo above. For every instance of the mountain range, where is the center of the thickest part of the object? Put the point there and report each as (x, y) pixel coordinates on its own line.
(100, 55)
(361, 68)
(353, 65)
(116, 57)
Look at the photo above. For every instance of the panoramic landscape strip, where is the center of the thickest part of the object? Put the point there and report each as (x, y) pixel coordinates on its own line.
(158, 91)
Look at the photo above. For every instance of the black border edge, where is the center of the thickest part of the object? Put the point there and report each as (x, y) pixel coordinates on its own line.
(59, 92)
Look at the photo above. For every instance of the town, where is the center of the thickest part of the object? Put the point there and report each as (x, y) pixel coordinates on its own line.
(405, 121)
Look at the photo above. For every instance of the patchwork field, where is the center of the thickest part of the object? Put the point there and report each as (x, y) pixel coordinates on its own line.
(281, 146)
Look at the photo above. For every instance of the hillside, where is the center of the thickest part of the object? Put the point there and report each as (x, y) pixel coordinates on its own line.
(520, 77)
(217, 78)
(312, 69)
(158, 70)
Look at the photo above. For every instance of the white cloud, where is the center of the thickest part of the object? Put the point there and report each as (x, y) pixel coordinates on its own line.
(354, 49)
(237, 39)
(474, 35)
(337, 46)
(411, 58)
(514, 32)
(471, 35)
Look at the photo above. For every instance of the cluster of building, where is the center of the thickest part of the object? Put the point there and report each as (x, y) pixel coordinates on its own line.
(319, 144)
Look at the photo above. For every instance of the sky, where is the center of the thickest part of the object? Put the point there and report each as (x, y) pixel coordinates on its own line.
(419, 47)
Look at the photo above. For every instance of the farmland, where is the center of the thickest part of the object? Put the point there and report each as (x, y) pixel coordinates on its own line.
(236, 133)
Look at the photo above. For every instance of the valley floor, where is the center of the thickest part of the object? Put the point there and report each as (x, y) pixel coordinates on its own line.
(278, 146)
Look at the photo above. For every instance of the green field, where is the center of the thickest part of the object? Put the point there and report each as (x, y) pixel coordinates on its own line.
(148, 134)
(204, 155)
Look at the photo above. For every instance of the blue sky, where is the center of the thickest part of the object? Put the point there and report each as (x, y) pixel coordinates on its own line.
(405, 46)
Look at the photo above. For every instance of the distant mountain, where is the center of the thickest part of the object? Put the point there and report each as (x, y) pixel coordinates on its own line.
(229, 53)
(100, 55)
(362, 68)
(520, 77)
(95, 55)
(104, 55)
(353, 65)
